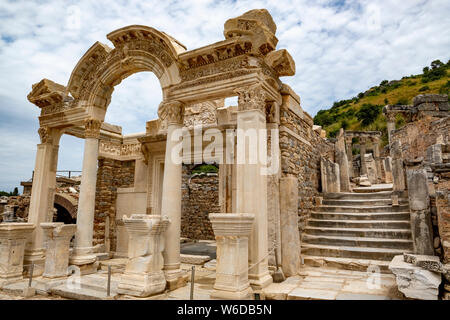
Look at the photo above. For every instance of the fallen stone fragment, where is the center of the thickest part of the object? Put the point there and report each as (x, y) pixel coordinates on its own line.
(194, 259)
(431, 263)
(415, 282)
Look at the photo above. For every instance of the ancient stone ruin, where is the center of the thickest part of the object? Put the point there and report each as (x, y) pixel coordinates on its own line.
(278, 196)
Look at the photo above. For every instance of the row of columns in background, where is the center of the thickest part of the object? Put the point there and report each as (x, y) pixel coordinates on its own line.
(363, 149)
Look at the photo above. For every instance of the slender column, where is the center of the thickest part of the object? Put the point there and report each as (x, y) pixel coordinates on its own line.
(376, 153)
(42, 196)
(251, 184)
(349, 146)
(172, 112)
(362, 152)
(390, 122)
(83, 250)
(342, 161)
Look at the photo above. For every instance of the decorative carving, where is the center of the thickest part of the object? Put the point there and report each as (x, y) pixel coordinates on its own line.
(107, 147)
(200, 113)
(44, 134)
(272, 112)
(251, 98)
(390, 116)
(171, 111)
(92, 128)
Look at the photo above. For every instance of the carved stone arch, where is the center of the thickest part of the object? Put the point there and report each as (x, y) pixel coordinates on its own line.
(136, 49)
(67, 202)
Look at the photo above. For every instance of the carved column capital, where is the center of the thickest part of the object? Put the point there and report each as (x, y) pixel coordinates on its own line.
(45, 134)
(92, 128)
(251, 98)
(172, 111)
(390, 116)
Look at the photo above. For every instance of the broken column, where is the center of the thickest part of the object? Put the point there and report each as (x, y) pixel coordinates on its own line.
(390, 123)
(12, 246)
(349, 147)
(362, 153)
(387, 163)
(329, 174)
(371, 168)
(376, 156)
(419, 203)
(232, 231)
(398, 174)
(342, 161)
(57, 240)
(143, 274)
(290, 237)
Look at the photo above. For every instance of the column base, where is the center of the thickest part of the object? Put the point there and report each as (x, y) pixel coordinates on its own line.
(11, 279)
(261, 281)
(36, 257)
(175, 278)
(245, 294)
(83, 256)
(142, 285)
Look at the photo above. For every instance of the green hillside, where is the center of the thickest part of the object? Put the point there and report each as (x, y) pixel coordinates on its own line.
(364, 112)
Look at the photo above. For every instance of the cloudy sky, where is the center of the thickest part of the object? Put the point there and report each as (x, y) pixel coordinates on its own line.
(340, 48)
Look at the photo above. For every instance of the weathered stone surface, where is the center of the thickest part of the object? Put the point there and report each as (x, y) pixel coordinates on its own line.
(431, 263)
(415, 282)
(194, 259)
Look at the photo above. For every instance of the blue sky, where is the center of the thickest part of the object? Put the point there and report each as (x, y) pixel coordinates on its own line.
(340, 48)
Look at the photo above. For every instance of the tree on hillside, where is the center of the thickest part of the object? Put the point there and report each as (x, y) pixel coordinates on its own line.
(368, 113)
(15, 192)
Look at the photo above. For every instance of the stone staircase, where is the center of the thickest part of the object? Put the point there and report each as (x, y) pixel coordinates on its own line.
(355, 230)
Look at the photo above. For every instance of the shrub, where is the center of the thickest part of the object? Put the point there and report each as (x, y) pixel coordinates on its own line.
(368, 113)
(424, 88)
(402, 101)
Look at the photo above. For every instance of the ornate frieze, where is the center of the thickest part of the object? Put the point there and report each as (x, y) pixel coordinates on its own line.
(44, 134)
(200, 113)
(171, 112)
(92, 128)
(251, 98)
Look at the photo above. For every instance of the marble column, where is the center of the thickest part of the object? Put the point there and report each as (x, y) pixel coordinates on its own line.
(398, 173)
(390, 123)
(362, 152)
(58, 236)
(232, 231)
(12, 246)
(342, 161)
(42, 195)
(172, 112)
(251, 184)
(143, 274)
(376, 154)
(83, 254)
(349, 147)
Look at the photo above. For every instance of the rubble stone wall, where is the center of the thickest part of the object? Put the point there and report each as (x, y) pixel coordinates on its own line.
(300, 156)
(417, 136)
(111, 174)
(200, 197)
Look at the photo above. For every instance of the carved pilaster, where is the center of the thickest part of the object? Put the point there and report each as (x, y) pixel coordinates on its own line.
(171, 111)
(92, 128)
(251, 98)
(272, 112)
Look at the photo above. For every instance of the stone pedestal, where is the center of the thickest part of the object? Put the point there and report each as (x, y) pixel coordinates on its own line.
(290, 237)
(57, 243)
(143, 274)
(232, 231)
(13, 237)
(83, 254)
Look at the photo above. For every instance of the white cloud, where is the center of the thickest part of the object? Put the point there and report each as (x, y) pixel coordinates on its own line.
(340, 48)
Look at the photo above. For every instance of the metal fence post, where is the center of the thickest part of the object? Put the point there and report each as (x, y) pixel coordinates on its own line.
(31, 274)
(192, 282)
(108, 288)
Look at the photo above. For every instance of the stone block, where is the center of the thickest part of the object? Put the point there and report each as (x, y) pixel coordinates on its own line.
(194, 259)
(415, 282)
(431, 263)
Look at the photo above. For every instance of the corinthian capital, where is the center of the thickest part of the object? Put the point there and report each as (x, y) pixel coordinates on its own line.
(92, 128)
(172, 111)
(390, 116)
(251, 98)
(44, 134)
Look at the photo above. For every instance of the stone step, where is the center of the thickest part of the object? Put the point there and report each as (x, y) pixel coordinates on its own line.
(360, 232)
(90, 287)
(361, 202)
(82, 293)
(361, 265)
(360, 216)
(372, 189)
(363, 209)
(358, 241)
(377, 224)
(386, 254)
(356, 196)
